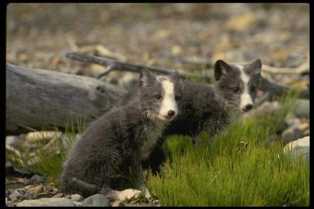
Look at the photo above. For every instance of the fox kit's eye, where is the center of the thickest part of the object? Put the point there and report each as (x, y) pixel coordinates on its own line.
(252, 88)
(236, 89)
(157, 96)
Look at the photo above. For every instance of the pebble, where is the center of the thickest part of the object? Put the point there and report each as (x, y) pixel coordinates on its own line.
(300, 147)
(292, 133)
(302, 109)
(15, 195)
(97, 200)
(36, 179)
(11, 140)
(76, 197)
(58, 195)
(57, 202)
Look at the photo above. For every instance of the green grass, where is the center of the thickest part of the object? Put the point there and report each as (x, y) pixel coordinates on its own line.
(236, 168)
(49, 161)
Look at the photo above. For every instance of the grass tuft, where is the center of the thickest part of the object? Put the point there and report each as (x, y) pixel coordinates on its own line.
(237, 167)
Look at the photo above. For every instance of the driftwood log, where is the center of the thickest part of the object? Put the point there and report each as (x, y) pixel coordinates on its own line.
(45, 100)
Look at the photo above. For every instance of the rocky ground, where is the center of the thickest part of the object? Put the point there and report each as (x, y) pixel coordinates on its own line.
(178, 36)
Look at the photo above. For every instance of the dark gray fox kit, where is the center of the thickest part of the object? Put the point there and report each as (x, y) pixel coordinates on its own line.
(109, 153)
(210, 108)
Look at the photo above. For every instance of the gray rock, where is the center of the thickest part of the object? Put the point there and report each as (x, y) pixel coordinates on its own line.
(302, 108)
(291, 120)
(15, 195)
(11, 140)
(76, 197)
(300, 147)
(57, 202)
(37, 179)
(292, 133)
(97, 200)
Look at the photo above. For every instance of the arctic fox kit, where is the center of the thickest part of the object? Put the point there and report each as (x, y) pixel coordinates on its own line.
(110, 152)
(210, 107)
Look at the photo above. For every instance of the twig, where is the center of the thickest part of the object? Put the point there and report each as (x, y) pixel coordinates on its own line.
(303, 68)
(117, 65)
(106, 72)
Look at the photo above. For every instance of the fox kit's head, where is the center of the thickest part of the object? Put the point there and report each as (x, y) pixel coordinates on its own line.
(159, 96)
(238, 83)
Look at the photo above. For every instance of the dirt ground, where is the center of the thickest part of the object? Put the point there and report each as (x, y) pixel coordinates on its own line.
(168, 35)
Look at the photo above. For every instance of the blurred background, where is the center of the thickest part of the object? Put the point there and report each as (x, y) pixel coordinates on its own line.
(169, 35)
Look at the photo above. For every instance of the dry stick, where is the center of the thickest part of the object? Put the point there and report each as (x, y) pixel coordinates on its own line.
(114, 64)
(303, 68)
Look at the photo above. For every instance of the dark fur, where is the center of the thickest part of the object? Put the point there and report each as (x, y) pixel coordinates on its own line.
(109, 153)
(207, 108)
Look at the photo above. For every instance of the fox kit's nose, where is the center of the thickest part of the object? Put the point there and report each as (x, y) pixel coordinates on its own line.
(247, 107)
(171, 113)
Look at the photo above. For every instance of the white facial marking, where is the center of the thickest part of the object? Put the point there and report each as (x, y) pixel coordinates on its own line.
(246, 98)
(168, 101)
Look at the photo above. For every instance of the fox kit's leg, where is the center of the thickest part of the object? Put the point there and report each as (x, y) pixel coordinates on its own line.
(84, 187)
(155, 160)
(139, 181)
(91, 188)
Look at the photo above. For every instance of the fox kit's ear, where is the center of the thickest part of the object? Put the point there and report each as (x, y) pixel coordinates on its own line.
(221, 68)
(255, 67)
(146, 78)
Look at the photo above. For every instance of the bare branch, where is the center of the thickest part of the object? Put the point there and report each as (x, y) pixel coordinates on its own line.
(117, 65)
(303, 68)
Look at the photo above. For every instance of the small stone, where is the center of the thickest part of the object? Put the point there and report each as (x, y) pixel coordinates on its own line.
(292, 133)
(302, 109)
(97, 200)
(291, 120)
(11, 140)
(14, 195)
(76, 197)
(58, 195)
(124, 195)
(300, 147)
(57, 202)
(36, 179)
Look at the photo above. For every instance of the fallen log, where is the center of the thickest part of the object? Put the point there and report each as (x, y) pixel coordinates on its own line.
(43, 99)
